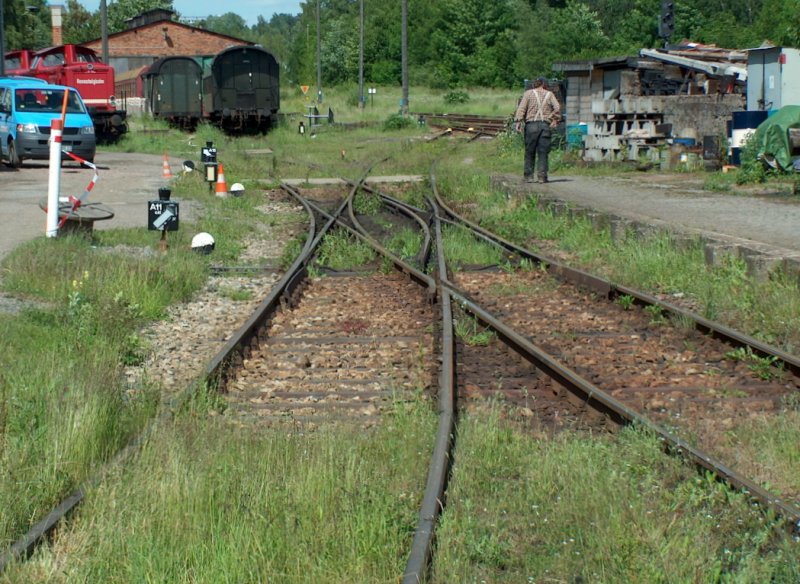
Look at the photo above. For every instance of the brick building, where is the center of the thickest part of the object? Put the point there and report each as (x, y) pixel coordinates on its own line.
(153, 34)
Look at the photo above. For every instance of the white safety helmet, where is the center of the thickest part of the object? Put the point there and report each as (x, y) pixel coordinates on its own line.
(237, 189)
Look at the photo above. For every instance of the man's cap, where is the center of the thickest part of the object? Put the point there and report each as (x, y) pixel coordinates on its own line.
(542, 80)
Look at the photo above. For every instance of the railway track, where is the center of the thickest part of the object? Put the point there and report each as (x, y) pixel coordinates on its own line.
(485, 125)
(347, 347)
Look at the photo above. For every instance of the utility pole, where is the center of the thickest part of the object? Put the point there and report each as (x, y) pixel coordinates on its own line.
(319, 62)
(404, 57)
(361, 57)
(104, 30)
(2, 41)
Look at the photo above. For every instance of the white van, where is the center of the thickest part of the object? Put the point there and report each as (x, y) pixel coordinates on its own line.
(28, 107)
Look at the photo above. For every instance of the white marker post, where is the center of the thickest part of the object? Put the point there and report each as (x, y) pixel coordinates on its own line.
(54, 183)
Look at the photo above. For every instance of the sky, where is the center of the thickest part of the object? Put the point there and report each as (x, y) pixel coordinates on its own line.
(250, 10)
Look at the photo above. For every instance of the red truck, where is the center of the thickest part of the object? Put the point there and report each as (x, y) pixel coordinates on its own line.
(81, 68)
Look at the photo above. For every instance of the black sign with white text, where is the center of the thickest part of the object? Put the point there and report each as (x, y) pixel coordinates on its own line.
(162, 215)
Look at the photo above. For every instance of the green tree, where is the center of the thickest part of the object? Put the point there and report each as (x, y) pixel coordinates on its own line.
(725, 31)
(339, 58)
(230, 24)
(779, 22)
(123, 10)
(27, 24)
(382, 42)
(78, 24)
(536, 49)
(277, 36)
(475, 42)
(578, 33)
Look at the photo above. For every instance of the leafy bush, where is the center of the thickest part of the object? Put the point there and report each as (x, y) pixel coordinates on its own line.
(752, 170)
(397, 122)
(456, 96)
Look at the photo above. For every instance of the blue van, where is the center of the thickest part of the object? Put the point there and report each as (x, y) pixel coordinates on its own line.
(27, 108)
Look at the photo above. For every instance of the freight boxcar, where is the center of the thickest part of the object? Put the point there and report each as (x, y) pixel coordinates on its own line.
(173, 91)
(242, 91)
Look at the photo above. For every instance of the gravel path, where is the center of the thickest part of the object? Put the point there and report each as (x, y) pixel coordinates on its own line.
(679, 203)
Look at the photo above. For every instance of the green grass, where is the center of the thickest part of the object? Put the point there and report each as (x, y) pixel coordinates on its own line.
(332, 152)
(291, 251)
(344, 101)
(592, 509)
(64, 405)
(405, 243)
(63, 409)
(341, 251)
(209, 501)
(462, 248)
(366, 203)
(111, 283)
(468, 330)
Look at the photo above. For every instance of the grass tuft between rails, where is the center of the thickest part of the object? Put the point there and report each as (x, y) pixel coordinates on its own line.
(582, 508)
(341, 251)
(210, 501)
(405, 243)
(462, 248)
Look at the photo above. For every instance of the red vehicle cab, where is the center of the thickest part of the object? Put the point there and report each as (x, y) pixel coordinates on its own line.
(81, 68)
(18, 62)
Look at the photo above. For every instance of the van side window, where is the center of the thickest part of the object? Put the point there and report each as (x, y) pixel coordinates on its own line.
(5, 100)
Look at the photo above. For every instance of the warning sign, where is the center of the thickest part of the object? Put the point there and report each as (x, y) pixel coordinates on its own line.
(304, 88)
(162, 215)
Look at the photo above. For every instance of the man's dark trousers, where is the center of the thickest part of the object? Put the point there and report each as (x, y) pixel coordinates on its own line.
(537, 143)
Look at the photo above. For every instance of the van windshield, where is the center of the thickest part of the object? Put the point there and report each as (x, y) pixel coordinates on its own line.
(47, 101)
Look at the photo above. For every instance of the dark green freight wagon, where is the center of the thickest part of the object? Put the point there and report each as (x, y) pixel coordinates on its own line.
(173, 89)
(242, 91)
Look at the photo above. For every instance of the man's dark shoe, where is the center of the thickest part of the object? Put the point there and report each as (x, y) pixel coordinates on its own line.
(529, 179)
(541, 179)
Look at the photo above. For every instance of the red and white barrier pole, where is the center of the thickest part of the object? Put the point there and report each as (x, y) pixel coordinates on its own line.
(77, 202)
(54, 182)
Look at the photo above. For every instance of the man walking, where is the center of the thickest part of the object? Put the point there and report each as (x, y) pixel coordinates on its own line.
(539, 111)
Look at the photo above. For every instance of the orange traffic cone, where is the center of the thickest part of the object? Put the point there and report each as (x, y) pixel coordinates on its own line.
(166, 173)
(222, 186)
